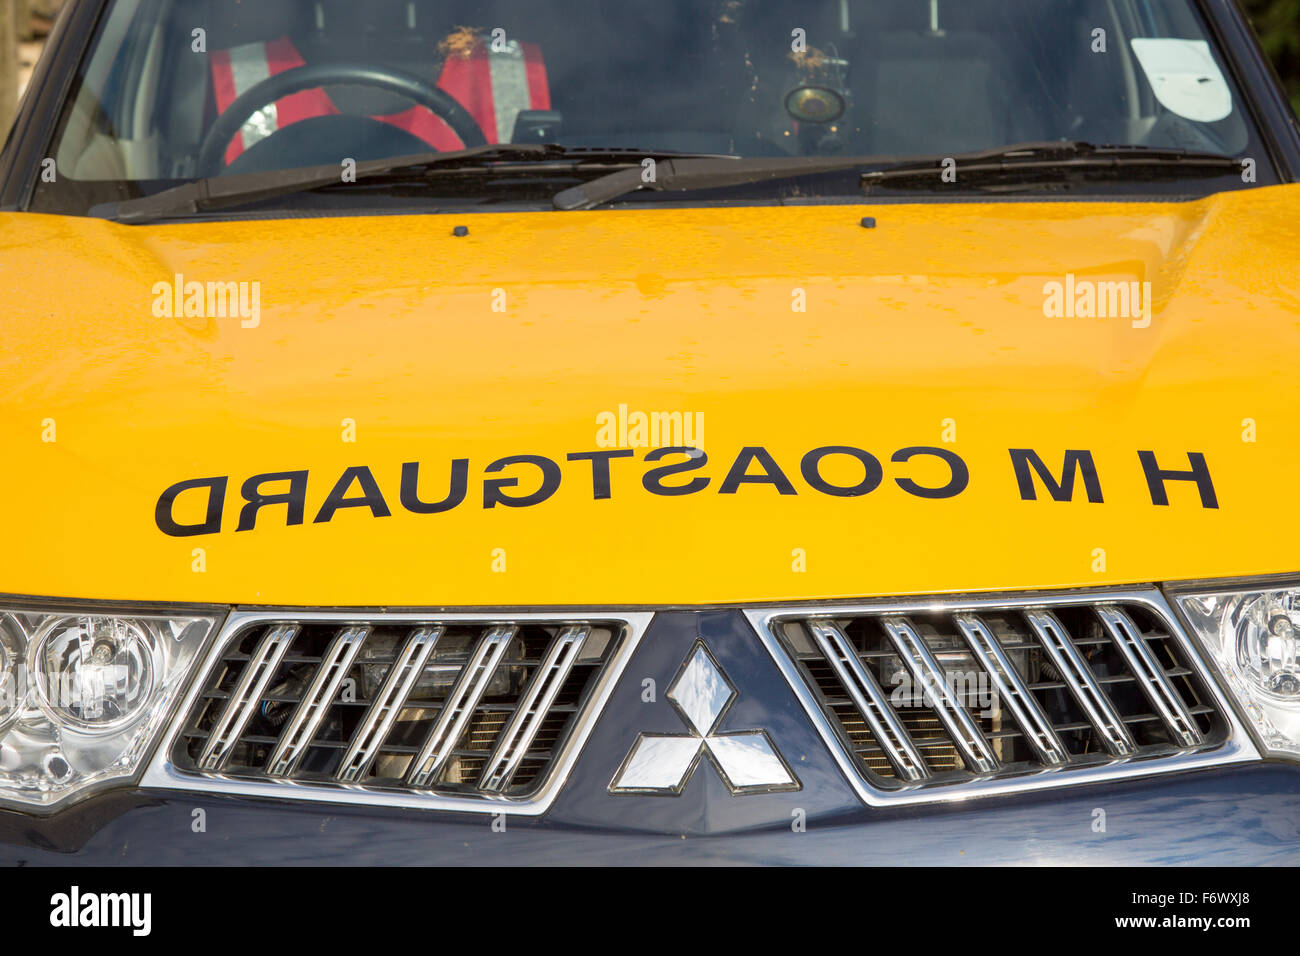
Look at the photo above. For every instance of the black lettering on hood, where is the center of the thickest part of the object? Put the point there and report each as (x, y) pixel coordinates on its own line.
(1026, 465)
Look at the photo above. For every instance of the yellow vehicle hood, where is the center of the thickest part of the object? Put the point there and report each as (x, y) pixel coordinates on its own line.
(383, 342)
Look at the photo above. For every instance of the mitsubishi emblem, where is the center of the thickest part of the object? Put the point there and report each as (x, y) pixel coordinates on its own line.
(663, 763)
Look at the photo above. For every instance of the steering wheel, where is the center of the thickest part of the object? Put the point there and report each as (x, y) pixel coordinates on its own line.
(212, 150)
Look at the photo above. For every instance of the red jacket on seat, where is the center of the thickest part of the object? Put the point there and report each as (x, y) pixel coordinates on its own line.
(493, 85)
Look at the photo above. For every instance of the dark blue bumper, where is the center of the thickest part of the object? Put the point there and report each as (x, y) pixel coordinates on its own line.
(1241, 816)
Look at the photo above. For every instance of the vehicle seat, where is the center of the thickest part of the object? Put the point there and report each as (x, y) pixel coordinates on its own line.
(493, 85)
(923, 91)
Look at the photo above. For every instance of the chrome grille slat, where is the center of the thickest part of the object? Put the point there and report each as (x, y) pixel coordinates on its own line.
(1011, 688)
(532, 710)
(1151, 678)
(926, 671)
(381, 716)
(870, 700)
(1082, 683)
(302, 727)
(468, 691)
(246, 696)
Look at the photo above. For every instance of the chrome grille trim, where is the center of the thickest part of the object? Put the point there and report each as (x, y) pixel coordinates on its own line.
(288, 753)
(629, 628)
(388, 703)
(1235, 744)
(870, 701)
(1082, 684)
(464, 697)
(1012, 689)
(527, 720)
(243, 701)
(927, 672)
(1151, 677)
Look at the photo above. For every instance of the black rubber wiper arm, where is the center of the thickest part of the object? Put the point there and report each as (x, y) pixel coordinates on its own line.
(710, 173)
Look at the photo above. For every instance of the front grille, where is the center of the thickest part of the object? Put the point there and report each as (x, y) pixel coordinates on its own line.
(944, 695)
(442, 707)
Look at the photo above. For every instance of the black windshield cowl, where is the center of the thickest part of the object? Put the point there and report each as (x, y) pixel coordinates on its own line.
(620, 171)
(515, 159)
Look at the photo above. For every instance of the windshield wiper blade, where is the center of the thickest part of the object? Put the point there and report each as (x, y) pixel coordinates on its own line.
(224, 192)
(1052, 160)
(690, 174)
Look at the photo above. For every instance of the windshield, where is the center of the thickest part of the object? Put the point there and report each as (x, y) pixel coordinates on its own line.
(174, 90)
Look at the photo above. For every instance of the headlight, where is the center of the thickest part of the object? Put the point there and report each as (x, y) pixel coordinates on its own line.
(83, 694)
(1252, 637)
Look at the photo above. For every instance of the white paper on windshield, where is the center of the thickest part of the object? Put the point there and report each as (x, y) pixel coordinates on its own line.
(1185, 78)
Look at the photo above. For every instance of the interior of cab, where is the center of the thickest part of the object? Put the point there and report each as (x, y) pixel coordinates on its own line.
(874, 77)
